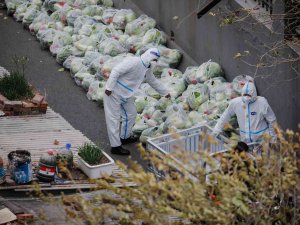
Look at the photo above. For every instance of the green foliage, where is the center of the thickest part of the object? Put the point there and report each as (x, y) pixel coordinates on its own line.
(15, 86)
(228, 21)
(20, 63)
(90, 153)
(241, 191)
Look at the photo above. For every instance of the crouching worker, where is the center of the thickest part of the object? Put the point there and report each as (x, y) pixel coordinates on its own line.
(254, 115)
(123, 82)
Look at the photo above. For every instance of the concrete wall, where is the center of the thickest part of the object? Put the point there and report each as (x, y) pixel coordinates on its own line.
(204, 39)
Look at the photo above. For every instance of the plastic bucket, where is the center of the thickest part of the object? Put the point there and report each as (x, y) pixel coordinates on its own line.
(2, 175)
(20, 166)
(2, 171)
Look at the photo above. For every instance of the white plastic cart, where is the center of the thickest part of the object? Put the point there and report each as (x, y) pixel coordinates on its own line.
(190, 140)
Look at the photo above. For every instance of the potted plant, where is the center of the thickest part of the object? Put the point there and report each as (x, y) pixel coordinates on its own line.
(94, 162)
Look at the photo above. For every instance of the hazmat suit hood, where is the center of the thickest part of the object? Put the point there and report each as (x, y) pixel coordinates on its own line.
(150, 55)
(249, 93)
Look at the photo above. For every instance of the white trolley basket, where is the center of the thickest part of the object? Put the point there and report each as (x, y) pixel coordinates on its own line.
(189, 140)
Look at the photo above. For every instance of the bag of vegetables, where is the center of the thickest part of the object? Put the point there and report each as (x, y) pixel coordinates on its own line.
(72, 15)
(176, 118)
(108, 15)
(41, 19)
(142, 101)
(63, 53)
(96, 65)
(150, 133)
(20, 11)
(155, 36)
(111, 47)
(140, 25)
(196, 95)
(209, 70)
(176, 86)
(60, 40)
(163, 103)
(168, 73)
(87, 80)
(110, 63)
(96, 91)
(93, 10)
(139, 126)
(122, 17)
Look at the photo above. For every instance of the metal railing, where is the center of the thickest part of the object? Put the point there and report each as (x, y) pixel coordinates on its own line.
(266, 4)
(291, 16)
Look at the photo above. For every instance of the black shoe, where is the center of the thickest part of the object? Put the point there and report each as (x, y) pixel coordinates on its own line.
(129, 140)
(119, 151)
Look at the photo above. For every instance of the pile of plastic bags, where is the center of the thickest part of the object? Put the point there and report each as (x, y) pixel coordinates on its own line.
(192, 103)
(90, 37)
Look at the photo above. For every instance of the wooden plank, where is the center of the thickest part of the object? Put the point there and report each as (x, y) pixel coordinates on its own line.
(15, 208)
(43, 122)
(118, 175)
(75, 187)
(22, 186)
(48, 121)
(37, 144)
(60, 187)
(36, 134)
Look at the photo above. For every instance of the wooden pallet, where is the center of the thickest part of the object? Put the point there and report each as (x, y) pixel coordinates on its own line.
(36, 134)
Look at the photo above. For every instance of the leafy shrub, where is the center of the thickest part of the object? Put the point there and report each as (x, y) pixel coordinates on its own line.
(264, 192)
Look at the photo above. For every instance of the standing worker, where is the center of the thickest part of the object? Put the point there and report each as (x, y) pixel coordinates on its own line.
(123, 82)
(254, 115)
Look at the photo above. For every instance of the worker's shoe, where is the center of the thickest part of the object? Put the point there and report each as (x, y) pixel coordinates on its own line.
(129, 140)
(119, 151)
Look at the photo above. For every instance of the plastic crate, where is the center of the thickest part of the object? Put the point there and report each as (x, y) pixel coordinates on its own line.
(190, 140)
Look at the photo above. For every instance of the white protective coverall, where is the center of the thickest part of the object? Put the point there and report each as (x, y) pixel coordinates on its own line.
(124, 81)
(254, 115)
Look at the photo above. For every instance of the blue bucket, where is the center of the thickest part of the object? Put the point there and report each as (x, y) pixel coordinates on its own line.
(2, 175)
(20, 166)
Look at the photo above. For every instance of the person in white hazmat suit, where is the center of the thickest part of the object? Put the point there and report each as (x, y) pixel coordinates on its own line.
(254, 115)
(123, 82)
